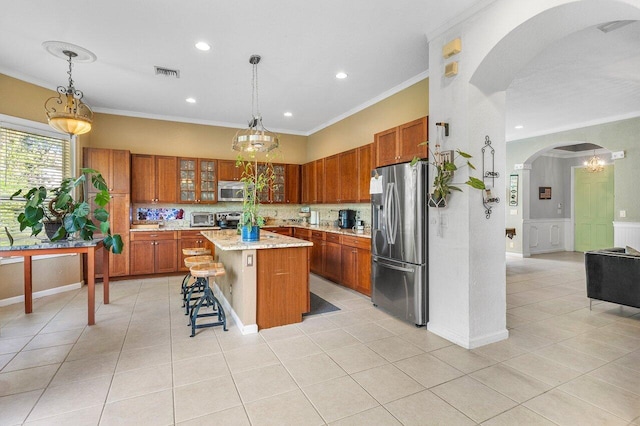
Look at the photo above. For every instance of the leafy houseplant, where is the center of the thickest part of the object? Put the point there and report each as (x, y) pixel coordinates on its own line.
(256, 179)
(445, 168)
(69, 215)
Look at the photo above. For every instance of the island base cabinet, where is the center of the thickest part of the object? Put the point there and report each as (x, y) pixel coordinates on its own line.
(282, 286)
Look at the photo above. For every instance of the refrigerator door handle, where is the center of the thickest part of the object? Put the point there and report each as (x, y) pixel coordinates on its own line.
(397, 268)
(389, 216)
(396, 210)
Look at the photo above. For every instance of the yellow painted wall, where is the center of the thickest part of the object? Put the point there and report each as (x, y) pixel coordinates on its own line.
(358, 129)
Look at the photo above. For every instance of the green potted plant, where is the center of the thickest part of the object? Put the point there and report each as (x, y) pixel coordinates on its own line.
(257, 179)
(445, 167)
(61, 215)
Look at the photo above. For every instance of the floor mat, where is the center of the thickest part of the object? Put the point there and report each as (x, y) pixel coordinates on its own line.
(320, 306)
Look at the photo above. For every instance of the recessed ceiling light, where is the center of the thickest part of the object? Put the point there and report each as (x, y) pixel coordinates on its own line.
(191, 100)
(288, 114)
(519, 126)
(201, 45)
(341, 75)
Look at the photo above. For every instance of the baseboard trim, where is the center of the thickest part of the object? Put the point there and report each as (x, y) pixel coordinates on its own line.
(42, 293)
(466, 342)
(244, 329)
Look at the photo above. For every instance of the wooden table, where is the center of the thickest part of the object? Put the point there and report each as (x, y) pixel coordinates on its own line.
(63, 247)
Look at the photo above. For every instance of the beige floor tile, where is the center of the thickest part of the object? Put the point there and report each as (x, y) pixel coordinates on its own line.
(518, 416)
(313, 369)
(547, 331)
(193, 370)
(15, 408)
(291, 408)
(141, 339)
(263, 382)
(310, 325)
(295, 347)
(233, 339)
(543, 369)
(152, 409)
(594, 348)
(21, 330)
(368, 332)
(235, 416)
(474, 399)
(397, 326)
(89, 416)
(5, 359)
(618, 340)
(394, 348)
(54, 339)
(345, 318)
(376, 416)
(185, 349)
(38, 357)
(387, 383)
(12, 344)
(144, 357)
(71, 397)
(356, 358)
(339, 398)
(462, 359)
(428, 370)
(279, 333)
(631, 361)
(213, 395)
(571, 358)
(425, 408)
(564, 409)
(140, 382)
(250, 357)
(617, 375)
(91, 349)
(333, 339)
(26, 380)
(611, 398)
(529, 313)
(526, 341)
(500, 351)
(623, 329)
(86, 368)
(511, 383)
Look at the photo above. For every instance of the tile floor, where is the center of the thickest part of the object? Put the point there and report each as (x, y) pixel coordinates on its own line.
(562, 364)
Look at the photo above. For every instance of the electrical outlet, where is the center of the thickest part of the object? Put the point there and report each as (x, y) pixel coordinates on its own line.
(513, 212)
(623, 213)
(617, 155)
(250, 260)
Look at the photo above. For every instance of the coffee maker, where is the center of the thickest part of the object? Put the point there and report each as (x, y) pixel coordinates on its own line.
(346, 219)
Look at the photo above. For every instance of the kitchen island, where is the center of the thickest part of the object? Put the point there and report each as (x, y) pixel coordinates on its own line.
(266, 282)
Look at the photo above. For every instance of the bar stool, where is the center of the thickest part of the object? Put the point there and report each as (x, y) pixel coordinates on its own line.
(204, 271)
(198, 285)
(191, 251)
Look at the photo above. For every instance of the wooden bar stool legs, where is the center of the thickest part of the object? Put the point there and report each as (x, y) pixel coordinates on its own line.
(204, 272)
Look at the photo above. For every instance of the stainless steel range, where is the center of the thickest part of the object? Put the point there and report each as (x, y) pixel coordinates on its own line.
(228, 220)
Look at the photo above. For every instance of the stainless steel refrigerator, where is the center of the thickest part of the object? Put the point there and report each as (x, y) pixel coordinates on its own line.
(399, 241)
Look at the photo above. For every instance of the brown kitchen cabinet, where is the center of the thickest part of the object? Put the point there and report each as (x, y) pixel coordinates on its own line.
(316, 257)
(332, 257)
(365, 166)
(282, 230)
(356, 264)
(153, 252)
(190, 239)
(312, 182)
(228, 171)
(401, 144)
(113, 164)
(331, 178)
(348, 176)
(197, 183)
(292, 183)
(154, 179)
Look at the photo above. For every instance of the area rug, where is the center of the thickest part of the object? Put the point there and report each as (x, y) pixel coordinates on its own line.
(320, 306)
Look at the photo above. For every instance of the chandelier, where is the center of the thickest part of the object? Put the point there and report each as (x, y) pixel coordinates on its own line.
(66, 112)
(255, 138)
(594, 164)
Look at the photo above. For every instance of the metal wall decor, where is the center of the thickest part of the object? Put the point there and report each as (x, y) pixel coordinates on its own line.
(513, 190)
(488, 175)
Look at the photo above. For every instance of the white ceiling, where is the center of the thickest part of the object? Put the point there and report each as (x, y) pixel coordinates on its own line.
(381, 44)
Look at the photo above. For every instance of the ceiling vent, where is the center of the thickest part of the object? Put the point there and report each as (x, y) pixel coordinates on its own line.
(167, 72)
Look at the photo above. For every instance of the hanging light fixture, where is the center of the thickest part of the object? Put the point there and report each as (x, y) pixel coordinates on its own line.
(66, 112)
(255, 138)
(594, 164)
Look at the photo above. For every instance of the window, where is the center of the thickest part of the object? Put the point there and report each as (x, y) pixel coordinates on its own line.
(29, 157)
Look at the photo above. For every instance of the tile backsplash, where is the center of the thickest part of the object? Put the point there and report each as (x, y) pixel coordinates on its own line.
(328, 213)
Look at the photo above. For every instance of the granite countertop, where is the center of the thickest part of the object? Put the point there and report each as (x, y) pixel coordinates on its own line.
(228, 239)
(366, 233)
(175, 228)
(43, 244)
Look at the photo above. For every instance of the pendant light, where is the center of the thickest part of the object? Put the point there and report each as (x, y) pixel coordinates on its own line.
(594, 164)
(66, 112)
(255, 138)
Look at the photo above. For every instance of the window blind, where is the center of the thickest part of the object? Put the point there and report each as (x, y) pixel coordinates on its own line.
(28, 160)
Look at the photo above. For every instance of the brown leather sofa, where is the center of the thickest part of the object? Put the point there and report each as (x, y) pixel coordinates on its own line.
(613, 276)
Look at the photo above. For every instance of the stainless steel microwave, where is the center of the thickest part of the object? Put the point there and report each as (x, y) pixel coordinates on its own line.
(203, 219)
(230, 191)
